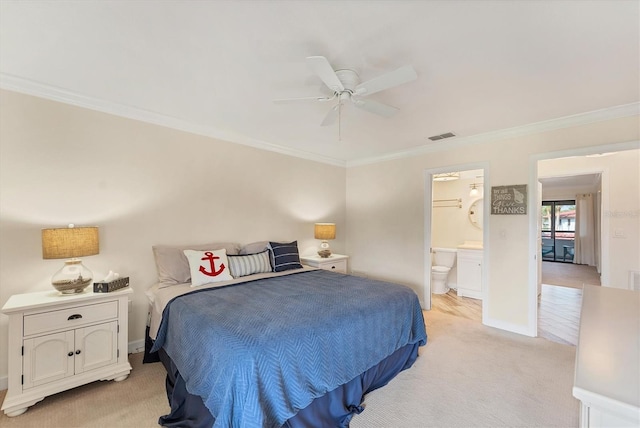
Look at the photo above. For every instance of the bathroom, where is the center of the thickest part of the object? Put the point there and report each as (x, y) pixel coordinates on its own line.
(456, 233)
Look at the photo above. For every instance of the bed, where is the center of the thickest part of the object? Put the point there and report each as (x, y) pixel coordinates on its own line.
(295, 347)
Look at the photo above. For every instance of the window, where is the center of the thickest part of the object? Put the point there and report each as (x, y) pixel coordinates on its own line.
(558, 230)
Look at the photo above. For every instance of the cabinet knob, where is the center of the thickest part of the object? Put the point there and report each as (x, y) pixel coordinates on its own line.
(70, 353)
(74, 317)
(78, 352)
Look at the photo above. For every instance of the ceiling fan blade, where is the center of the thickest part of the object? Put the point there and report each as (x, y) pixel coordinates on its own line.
(295, 100)
(320, 66)
(375, 107)
(331, 116)
(388, 80)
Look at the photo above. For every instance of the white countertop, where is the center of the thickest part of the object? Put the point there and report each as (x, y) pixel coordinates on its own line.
(471, 245)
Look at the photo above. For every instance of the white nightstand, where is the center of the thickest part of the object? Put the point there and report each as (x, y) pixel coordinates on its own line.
(335, 262)
(57, 342)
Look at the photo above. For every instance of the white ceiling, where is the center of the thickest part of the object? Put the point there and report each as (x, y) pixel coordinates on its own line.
(214, 67)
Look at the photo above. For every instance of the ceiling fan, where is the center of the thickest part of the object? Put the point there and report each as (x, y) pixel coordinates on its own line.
(345, 85)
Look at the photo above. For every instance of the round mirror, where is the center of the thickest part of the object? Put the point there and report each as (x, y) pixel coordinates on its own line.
(475, 213)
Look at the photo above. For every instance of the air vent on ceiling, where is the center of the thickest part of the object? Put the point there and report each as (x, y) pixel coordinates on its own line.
(442, 136)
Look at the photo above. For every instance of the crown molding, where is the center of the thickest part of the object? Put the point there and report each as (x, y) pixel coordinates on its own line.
(616, 112)
(29, 87)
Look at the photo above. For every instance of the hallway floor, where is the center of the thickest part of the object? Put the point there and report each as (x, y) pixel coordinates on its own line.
(559, 314)
(558, 311)
(569, 274)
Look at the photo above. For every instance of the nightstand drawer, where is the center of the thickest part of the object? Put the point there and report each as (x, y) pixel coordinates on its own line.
(337, 266)
(335, 262)
(69, 318)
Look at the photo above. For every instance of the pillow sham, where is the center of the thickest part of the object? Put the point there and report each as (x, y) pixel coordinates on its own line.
(249, 264)
(172, 264)
(255, 247)
(285, 256)
(208, 266)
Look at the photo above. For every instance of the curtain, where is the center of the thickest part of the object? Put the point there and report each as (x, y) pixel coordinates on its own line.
(585, 243)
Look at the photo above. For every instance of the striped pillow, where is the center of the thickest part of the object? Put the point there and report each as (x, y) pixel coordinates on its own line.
(285, 256)
(249, 264)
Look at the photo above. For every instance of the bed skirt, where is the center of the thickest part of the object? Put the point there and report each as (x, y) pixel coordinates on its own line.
(334, 409)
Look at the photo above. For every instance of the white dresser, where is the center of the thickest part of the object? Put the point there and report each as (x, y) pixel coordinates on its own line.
(57, 342)
(607, 373)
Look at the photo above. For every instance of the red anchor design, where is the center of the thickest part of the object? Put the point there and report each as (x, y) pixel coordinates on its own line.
(209, 256)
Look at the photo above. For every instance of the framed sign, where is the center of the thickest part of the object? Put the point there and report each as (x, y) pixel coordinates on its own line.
(509, 200)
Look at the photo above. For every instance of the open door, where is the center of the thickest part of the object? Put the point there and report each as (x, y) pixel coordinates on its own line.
(428, 206)
(539, 236)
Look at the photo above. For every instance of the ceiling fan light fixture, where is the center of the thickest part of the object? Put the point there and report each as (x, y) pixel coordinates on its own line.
(346, 86)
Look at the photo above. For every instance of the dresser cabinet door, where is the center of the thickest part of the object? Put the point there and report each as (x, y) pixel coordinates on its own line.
(56, 356)
(96, 346)
(47, 359)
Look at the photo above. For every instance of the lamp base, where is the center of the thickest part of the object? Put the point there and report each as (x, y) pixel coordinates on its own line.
(324, 253)
(73, 278)
(324, 250)
(71, 287)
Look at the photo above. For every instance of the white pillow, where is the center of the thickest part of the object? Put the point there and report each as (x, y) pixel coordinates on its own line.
(208, 266)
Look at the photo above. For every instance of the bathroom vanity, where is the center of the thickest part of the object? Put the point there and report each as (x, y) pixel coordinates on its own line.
(469, 269)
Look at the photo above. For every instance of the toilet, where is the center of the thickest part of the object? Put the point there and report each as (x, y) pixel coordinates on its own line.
(443, 260)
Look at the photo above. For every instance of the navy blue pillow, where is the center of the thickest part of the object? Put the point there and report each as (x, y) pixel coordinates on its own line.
(285, 256)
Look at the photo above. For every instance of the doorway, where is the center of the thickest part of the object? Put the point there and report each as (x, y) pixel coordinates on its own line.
(560, 278)
(599, 166)
(455, 215)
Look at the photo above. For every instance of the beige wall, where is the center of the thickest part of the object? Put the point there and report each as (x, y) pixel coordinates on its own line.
(386, 211)
(142, 185)
(451, 225)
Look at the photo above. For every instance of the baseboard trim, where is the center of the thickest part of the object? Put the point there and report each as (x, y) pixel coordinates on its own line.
(136, 346)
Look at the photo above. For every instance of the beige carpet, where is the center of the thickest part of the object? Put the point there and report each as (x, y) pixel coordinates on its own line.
(569, 274)
(468, 375)
(137, 402)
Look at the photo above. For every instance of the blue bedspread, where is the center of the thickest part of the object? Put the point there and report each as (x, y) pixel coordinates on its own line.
(260, 351)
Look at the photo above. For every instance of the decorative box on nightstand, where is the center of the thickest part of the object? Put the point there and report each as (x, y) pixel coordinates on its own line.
(335, 262)
(58, 342)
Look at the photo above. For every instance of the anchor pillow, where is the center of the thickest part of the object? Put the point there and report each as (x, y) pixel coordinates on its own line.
(208, 266)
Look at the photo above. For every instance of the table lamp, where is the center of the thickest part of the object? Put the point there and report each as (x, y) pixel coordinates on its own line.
(70, 243)
(325, 231)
